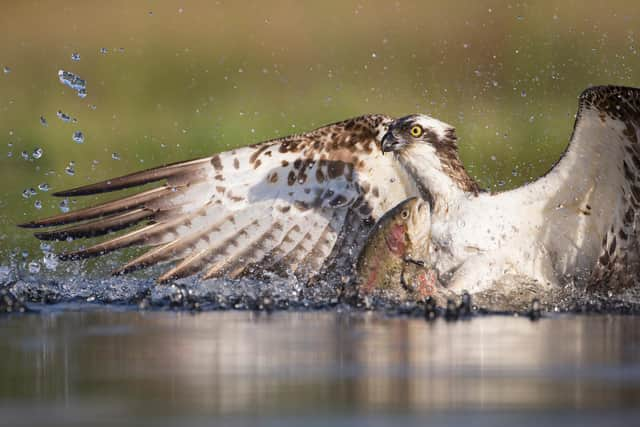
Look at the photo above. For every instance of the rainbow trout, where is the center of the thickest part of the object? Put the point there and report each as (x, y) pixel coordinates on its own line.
(394, 261)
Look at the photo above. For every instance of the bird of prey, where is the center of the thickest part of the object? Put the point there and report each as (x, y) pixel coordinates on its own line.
(302, 203)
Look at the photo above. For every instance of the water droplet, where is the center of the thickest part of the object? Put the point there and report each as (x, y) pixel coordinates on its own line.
(466, 45)
(43, 187)
(74, 82)
(6, 70)
(531, 119)
(50, 261)
(26, 193)
(523, 93)
(78, 137)
(25, 155)
(70, 169)
(34, 267)
(75, 56)
(104, 50)
(45, 247)
(64, 117)
(37, 153)
(115, 156)
(37, 204)
(493, 158)
(520, 18)
(43, 121)
(374, 55)
(180, 10)
(64, 206)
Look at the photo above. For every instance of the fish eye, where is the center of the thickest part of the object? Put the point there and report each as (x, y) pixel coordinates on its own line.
(404, 214)
(416, 131)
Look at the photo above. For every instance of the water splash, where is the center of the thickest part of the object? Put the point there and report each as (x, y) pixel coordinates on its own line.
(34, 267)
(50, 261)
(64, 117)
(279, 293)
(27, 193)
(64, 206)
(78, 137)
(74, 82)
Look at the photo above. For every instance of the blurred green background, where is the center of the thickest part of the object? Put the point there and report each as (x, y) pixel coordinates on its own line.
(172, 80)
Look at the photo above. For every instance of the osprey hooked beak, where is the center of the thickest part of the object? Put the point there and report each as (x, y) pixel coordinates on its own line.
(391, 143)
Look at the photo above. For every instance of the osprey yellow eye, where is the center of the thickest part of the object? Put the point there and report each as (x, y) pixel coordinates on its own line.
(416, 131)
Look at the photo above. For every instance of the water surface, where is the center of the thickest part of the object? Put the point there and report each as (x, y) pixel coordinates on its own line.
(100, 366)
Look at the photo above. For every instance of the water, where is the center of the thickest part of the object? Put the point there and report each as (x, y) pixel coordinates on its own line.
(37, 153)
(78, 137)
(63, 116)
(76, 365)
(74, 82)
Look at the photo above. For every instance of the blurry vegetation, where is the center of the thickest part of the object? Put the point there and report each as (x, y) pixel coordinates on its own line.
(181, 79)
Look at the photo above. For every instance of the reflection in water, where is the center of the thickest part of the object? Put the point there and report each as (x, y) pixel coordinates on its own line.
(159, 363)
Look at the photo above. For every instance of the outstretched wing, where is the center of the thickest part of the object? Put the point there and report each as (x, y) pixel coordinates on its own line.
(593, 192)
(281, 204)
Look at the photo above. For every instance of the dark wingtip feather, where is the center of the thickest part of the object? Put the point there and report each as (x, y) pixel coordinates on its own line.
(30, 224)
(134, 179)
(97, 211)
(99, 227)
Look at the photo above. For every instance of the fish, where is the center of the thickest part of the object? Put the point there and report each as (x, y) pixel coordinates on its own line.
(394, 262)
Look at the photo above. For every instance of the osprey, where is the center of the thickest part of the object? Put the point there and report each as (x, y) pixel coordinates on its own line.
(302, 203)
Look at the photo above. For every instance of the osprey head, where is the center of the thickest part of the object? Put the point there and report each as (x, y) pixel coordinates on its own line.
(428, 149)
(418, 129)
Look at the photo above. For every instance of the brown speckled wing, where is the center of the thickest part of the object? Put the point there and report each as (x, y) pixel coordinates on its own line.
(280, 205)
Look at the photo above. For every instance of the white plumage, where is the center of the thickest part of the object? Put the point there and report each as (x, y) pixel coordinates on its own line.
(577, 222)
